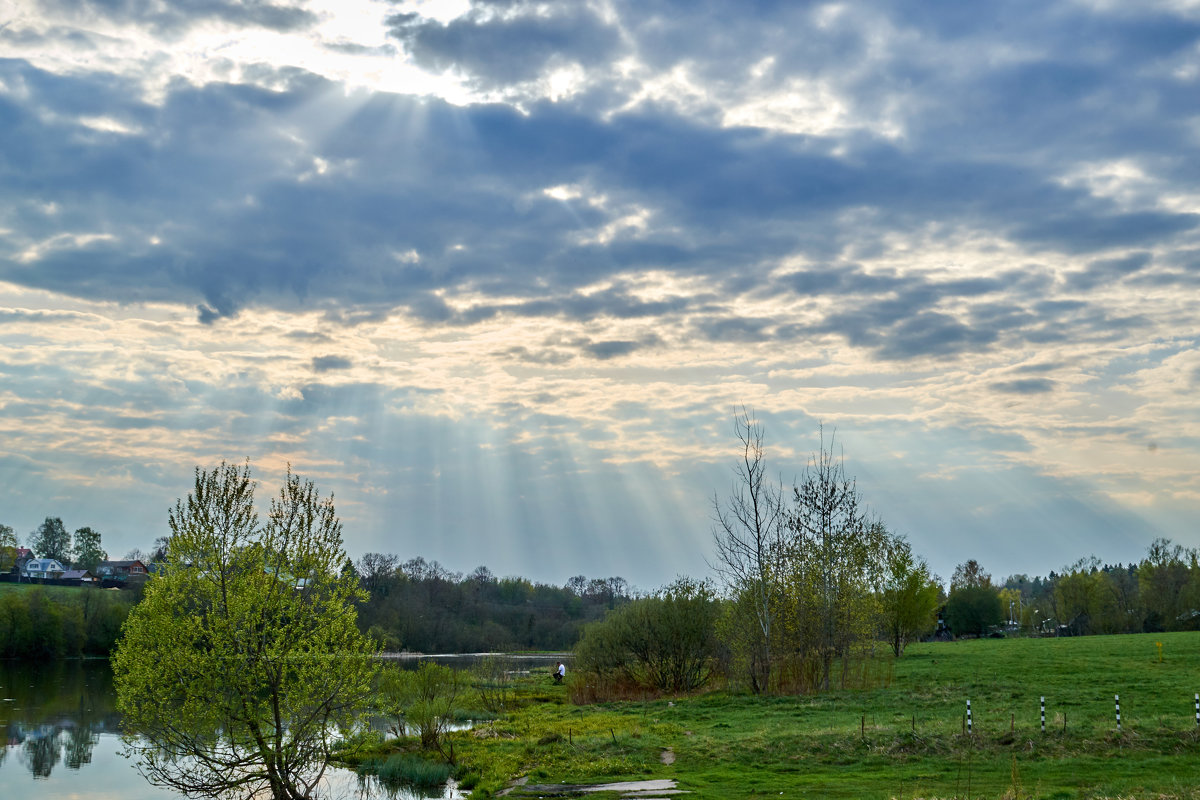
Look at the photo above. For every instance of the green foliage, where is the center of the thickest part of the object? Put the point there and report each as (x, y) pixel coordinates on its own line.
(423, 607)
(8, 548)
(51, 540)
(48, 622)
(87, 550)
(664, 643)
(244, 655)
(424, 700)
(973, 609)
(909, 600)
(803, 577)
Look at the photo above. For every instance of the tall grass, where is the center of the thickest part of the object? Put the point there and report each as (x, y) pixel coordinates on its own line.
(407, 770)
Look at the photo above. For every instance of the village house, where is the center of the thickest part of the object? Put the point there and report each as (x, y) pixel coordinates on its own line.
(42, 568)
(81, 575)
(120, 570)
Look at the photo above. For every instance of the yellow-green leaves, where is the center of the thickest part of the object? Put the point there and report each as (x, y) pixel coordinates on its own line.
(244, 659)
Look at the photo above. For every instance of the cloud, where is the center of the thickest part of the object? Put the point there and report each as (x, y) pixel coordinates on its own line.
(173, 18)
(560, 241)
(1024, 386)
(328, 363)
(520, 44)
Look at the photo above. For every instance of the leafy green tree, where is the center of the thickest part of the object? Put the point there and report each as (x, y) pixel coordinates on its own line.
(51, 540)
(88, 552)
(910, 598)
(973, 609)
(8, 548)
(1162, 579)
(243, 659)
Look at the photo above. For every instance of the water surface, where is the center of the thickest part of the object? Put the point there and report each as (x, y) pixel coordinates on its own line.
(62, 740)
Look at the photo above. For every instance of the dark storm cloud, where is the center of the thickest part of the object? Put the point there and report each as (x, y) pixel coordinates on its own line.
(462, 187)
(179, 15)
(507, 48)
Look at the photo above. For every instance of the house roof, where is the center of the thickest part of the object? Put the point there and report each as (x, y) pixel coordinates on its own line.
(76, 574)
(122, 563)
(43, 565)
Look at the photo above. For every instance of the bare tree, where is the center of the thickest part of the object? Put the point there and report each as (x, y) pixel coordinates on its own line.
(747, 533)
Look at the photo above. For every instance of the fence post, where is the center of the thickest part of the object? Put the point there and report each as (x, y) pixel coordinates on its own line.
(1198, 710)
(1117, 700)
(1044, 713)
(969, 718)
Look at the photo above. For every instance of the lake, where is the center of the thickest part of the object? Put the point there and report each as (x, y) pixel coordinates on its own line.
(62, 735)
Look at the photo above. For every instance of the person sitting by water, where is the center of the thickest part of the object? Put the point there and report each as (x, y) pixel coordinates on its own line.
(560, 672)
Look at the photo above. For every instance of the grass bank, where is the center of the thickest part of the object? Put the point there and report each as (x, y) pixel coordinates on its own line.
(901, 740)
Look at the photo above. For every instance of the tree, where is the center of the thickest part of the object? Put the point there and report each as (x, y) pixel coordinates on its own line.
(160, 549)
(88, 552)
(836, 555)
(51, 540)
(8, 548)
(243, 658)
(969, 573)
(748, 535)
(910, 598)
(972, 610)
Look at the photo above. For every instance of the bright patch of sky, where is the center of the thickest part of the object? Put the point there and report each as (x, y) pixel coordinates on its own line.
(499, 273)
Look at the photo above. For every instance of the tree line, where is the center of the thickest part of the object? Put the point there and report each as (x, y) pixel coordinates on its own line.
(810, 583)
(421, 606)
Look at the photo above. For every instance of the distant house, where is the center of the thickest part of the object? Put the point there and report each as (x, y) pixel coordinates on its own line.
(42, 568)
(23, 555)
(120, 570)
(81, 575)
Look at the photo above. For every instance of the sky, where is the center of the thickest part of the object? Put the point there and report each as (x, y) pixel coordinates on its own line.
(499, 274)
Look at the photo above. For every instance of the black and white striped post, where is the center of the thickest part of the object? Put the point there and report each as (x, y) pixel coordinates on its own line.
(1198, 710)
(1117, 700)
(968, 717)
(1044, 713)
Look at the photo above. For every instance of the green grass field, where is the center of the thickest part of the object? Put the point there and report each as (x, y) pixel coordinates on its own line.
(56, 592)
(901, 740)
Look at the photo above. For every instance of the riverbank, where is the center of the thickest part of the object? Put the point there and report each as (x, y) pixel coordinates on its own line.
(906, 739)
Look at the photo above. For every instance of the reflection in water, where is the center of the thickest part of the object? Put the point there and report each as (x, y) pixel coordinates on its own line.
(53, 713)
(62, 738)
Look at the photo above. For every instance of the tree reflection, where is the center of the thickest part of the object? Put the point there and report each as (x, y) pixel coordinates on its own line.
(80, 741)
(42, 753)
(54, 713)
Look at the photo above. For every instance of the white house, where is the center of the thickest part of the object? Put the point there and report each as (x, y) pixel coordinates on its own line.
(43, 568)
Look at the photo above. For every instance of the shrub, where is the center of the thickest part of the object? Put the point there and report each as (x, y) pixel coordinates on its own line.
(664, 643)
(425, 700)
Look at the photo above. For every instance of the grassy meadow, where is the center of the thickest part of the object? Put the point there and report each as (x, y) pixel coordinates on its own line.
(903, 738)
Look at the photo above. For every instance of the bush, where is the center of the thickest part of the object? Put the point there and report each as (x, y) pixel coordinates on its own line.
(663, 643)
(425, 700)
(491, 678)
